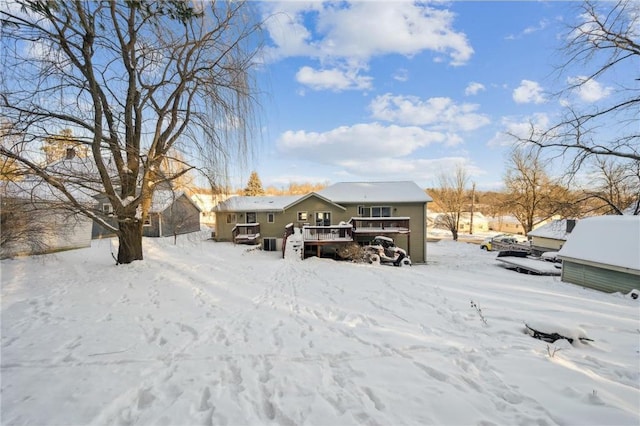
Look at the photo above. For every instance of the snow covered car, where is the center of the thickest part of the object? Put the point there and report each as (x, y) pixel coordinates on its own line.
(383, 250)
(498, 241)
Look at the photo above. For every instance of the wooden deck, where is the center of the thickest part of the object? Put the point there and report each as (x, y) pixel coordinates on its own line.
(246, 233)
(333, 233)
(380, 225)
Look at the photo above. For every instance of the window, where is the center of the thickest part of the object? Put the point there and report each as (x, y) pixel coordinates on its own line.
(302, 216)
(231, 218)
(323, 218)
(107, 208)
(381, 211)
(271, 217)
(147, 221)
(364, 211)
(252, 217)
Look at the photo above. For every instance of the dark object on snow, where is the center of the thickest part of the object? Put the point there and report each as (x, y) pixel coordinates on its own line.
(512, 253)
(552, 337)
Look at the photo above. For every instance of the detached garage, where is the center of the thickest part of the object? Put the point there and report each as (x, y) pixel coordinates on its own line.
(603, 253)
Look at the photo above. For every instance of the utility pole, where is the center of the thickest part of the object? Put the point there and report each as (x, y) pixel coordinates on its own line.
(473, 200)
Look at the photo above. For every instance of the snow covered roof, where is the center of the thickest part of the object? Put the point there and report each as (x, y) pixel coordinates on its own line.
(257, 203)
(375, 192)
(163, 198)
(608, 240)
(556, 230)
(36, 189)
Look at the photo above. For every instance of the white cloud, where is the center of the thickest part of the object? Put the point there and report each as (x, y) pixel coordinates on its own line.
(333, 79)
(361, 30)
(474, 88)
(522, 127)
(401, 74)
(362, 141)
(439, 113)
(541, 25)
(529, 92)
(589, 90)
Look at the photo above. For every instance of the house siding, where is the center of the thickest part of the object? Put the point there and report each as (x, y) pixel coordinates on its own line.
(182, 217)
(59, 231)
(542, 244)
(413, 243)
(597, 278)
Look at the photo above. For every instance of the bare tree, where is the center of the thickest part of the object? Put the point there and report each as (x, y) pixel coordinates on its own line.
(531, 196)
(133, 80)
(614, 188)
(451, 197)
(604, 42)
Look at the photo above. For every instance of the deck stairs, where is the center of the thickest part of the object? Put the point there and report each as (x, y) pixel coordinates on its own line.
(295, 244)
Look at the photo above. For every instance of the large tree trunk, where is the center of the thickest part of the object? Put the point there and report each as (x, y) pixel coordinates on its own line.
(130, 239)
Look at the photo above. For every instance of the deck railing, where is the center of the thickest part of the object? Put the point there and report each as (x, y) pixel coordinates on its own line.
(245, 232)
(327, 233)
(376, 224)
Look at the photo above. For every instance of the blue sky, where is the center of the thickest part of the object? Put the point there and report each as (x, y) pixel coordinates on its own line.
(376, 90)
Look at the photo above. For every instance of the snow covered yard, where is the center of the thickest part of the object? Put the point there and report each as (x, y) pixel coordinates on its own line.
(210, 333)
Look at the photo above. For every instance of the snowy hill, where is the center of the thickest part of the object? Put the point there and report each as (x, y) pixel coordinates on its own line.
(212, 333)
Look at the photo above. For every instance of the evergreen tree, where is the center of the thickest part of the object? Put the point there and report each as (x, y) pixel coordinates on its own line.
(254, 186)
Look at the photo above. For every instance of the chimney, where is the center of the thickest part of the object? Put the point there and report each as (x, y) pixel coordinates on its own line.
(571, 223)
(70, 153)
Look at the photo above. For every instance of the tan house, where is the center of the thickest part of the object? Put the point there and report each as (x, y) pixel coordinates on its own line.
(342, 213)
(551, 236)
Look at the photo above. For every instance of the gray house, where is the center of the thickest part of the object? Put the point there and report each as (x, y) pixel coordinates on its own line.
(171, 213)
(603, 253)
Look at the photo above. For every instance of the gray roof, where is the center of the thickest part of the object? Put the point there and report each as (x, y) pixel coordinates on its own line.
(375, 192)
(342, 192)
(257, 203)
(163, 198)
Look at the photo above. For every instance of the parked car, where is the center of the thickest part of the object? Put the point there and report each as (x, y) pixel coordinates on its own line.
(550, 256)
(498, 242)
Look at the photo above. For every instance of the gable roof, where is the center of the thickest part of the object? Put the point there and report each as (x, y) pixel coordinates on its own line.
(163, 198)
(607, 240)
(555, 230)
(316, 195)
(375, 192)
(257, 203)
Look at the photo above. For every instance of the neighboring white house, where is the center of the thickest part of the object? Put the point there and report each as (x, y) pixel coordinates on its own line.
(551, 236)
(603, 253)
(35, 223)
(206, 202)
(480, 222)
(508, 224)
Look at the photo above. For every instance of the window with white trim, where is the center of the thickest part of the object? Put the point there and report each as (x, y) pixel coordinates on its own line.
(381, 211)
(107, 208)
(252, 217)
(302, 216)
(323, 218)
(364, 211)
(271, 217)
(231, 218)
